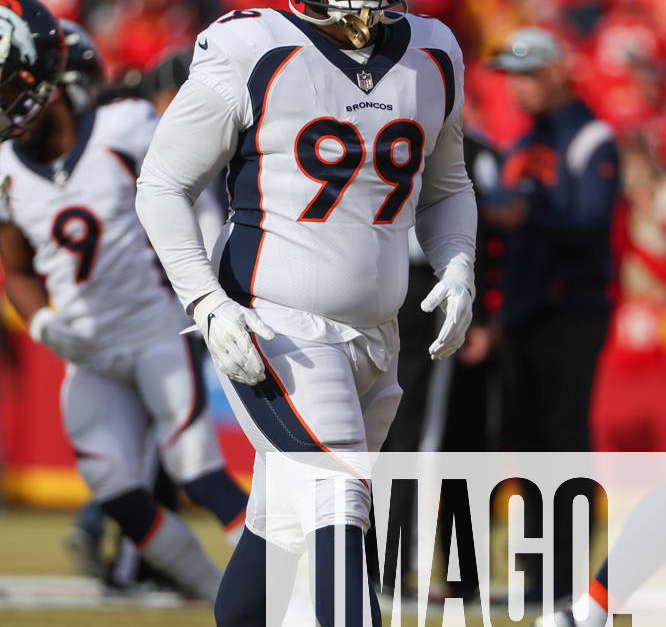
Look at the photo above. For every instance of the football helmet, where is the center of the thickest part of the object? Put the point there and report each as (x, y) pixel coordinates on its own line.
(84, 73)
(32, 56)
(357, 17)
(170, 73)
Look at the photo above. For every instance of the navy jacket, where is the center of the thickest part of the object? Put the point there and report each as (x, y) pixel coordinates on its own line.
(568, 171)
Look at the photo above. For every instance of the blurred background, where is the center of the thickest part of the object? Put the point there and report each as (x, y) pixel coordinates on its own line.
(615, 65)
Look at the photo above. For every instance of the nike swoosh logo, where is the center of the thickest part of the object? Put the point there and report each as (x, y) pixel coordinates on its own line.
(203, 44)
(211, 317)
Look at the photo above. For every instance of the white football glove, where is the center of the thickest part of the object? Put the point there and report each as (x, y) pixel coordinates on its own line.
(47, 327)
(454, 293)
(226, 327)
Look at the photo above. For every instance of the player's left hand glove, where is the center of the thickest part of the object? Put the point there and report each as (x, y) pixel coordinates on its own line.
(455, 295)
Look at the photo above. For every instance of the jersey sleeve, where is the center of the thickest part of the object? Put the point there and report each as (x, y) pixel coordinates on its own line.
(458, 73)
(131, 124)
(196, 137)
(446, 220)
(445, 173)
(215, 67)
(211, 218)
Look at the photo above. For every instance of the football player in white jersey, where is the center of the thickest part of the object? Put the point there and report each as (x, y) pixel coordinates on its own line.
(69, 235)
(341, 127)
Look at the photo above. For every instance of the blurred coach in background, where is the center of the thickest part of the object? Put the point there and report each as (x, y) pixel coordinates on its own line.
(560, 185)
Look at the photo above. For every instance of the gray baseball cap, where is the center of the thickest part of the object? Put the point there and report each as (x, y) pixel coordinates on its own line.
(527, 49)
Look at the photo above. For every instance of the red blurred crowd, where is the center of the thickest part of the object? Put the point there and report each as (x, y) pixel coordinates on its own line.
(617, 47)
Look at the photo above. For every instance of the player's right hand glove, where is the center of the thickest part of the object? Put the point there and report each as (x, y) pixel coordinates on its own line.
(226, 327)
(49, 328)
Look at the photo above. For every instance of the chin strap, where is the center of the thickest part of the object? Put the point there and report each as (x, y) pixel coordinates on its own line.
(308, 18)
(357, 25)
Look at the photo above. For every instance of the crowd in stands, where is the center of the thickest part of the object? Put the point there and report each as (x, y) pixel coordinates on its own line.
(617, 47)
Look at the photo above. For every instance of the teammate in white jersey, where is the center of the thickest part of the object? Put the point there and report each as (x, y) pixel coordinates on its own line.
(69, 235)
(341, 127)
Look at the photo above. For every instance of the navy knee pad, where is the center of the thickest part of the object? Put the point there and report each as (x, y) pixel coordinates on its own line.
(136, 512)
(220, 494)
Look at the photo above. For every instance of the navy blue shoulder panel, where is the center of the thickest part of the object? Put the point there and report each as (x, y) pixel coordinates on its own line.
(244, 167)
(445, 65)
(262, 75)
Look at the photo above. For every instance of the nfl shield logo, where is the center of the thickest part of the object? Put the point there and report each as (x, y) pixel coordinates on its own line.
(365, 81)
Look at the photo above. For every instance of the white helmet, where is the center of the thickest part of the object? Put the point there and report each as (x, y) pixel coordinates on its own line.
(357, 16)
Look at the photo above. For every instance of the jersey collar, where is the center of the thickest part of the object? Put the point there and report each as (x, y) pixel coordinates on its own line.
(47, 170)
(389, 49)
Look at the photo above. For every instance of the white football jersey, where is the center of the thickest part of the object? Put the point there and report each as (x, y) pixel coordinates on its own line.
(78, 215)
(331, 158)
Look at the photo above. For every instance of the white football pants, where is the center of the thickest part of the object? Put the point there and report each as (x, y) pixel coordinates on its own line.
(110, 413)
(325, 398)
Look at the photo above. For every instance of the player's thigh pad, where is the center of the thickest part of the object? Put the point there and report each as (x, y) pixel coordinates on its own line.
(169, 379)
(107, 427)
(308, 404)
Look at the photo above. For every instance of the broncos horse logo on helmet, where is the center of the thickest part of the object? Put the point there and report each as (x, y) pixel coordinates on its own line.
(13, 28)
(357, 17)
(32, 56)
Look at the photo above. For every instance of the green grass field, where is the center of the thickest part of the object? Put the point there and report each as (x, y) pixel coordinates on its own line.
(31, 541)
(31, 544)
(143, 618)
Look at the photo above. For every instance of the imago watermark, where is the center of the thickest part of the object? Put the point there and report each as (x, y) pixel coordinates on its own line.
(467, 539)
